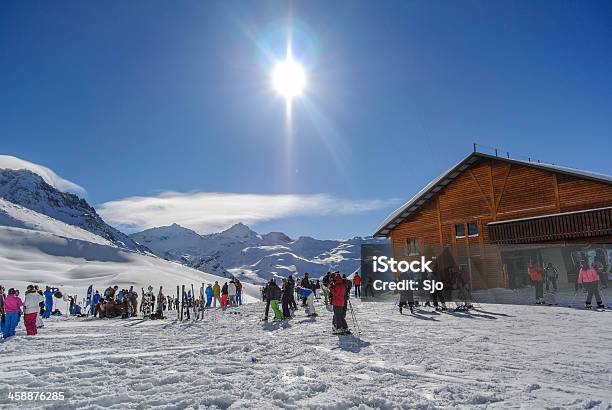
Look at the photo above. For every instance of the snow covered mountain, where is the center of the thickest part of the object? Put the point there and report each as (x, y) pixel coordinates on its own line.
(253, 257)
(25, 188)
(35, 248)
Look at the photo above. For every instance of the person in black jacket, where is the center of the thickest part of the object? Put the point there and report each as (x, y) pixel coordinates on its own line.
(305, 284)
(292, 304)
(286, 298)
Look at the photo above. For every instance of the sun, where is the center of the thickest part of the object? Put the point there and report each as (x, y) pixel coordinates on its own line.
(289, 78)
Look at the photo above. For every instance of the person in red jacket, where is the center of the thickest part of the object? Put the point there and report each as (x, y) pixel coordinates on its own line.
(337, 298)
(535, 274)
(589, 279)
(357, 284)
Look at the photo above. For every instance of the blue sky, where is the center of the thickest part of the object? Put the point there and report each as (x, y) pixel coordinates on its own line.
(132, 99)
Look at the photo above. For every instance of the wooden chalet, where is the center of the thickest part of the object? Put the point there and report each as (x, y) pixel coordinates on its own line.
(491, 215)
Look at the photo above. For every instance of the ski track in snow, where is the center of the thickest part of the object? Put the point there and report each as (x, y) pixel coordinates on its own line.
(501, 356)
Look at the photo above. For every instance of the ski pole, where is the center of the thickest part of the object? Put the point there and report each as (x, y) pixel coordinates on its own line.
(354, 317)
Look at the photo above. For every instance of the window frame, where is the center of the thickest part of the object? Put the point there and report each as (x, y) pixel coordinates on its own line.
(473, 235)
(413, 250)
(457, 236)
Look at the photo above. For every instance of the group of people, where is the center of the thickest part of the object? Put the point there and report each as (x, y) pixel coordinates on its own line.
(36, 304)
(336, 290)
(588, 279)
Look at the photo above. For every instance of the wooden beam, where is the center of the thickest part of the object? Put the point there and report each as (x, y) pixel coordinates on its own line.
(481, 190)
(556, 188)
(439, 218)
(494, 208)
(503, 188)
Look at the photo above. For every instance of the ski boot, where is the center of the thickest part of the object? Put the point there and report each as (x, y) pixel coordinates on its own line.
(400, 310)
(588, 306)
(601, 306)
(411, 309)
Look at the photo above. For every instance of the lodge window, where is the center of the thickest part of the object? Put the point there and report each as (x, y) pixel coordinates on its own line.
(413, 247)
(460, 230)
(472, 228)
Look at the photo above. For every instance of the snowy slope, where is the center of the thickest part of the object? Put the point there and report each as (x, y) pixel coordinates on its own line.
(256, 257)
(24, 187)
(35, 248)
(497, 357)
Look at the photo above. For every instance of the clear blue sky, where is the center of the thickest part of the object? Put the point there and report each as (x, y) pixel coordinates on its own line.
(129, 98)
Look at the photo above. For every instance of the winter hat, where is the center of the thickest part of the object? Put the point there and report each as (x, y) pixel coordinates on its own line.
(11, 291)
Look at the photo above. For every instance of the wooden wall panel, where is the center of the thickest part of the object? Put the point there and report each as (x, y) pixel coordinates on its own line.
(577, 194)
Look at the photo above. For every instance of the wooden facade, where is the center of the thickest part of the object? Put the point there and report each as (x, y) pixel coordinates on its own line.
(484, 191)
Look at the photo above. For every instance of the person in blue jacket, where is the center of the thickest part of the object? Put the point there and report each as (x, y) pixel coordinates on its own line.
(307, 295)
(95, 300)
(209, 295)
(48, 302)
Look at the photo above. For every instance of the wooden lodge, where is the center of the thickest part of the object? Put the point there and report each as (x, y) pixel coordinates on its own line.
(492, 215)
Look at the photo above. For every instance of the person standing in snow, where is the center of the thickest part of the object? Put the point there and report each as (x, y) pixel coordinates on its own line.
(305, 284)
(274, 295)
(224, 295)
(216, 293)
(12, 306)
(337, 292)
(30, 310)
(238, 291)
(209, 295)
(550, 276)
(326, 282)
(535, 274)
(96, 298)
(347, 289)
(406, 295)
(231, 293)
(2, 312)
(357, 284)
(286, 299)
(48, 302)
(369, 286)
(589, 279)
(292, 304)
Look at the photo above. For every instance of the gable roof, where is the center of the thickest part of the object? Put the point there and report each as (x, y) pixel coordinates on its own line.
(439, 183)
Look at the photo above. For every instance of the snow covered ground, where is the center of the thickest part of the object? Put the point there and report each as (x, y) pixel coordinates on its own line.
(499, 356)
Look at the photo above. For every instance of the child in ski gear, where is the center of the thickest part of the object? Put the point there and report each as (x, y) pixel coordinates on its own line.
(589, 279)
(535, 274)
(12, 306)
(357, 284)
(30, 310)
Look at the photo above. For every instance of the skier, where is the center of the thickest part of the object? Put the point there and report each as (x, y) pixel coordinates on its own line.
(264, 292)
(589, 279)
(238, 291)
(12, 306)
(406, 295)
(224, 295)
(463, 284)
(308, 294)
(292, 304)
(369, 286)
(535, 274)
(357, 284)
(216, 293)
(30, 310)
(305, 284)
(209, 295)
(48, 302)
(337, 292)
(231, 293)
(274, 295)
(286, 299)
(437, 295)
(326, 282)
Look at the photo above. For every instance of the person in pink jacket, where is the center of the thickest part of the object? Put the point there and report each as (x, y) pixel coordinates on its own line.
(12, 309)
(589, 279)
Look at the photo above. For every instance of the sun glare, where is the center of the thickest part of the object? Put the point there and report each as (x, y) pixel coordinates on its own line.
(289, 78)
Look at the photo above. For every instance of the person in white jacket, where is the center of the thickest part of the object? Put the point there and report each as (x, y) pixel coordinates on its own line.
(231, 293)
(31, 306)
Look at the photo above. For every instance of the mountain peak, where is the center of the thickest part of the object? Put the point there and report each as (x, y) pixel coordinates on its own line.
(239, 230)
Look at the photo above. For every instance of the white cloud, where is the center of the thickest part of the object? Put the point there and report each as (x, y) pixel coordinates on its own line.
(50, 177)
(207, 212)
